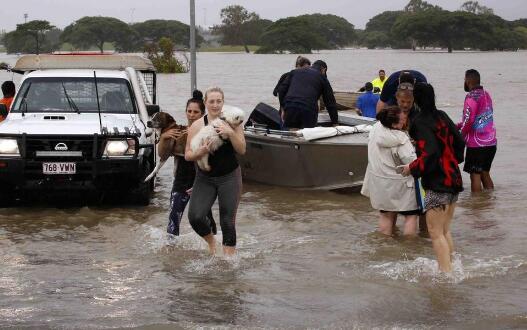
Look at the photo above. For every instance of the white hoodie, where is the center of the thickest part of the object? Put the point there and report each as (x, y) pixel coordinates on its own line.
(387, 189)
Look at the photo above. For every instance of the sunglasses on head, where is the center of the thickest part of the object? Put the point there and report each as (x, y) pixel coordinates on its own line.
(405, 86)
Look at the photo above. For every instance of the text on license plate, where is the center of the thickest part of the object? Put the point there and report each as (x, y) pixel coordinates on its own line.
(58, 168)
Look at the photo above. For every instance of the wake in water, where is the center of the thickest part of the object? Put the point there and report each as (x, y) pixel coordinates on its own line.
(463, 268)
(157, 239)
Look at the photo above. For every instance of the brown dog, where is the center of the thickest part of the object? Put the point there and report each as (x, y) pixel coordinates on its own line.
(172, 139)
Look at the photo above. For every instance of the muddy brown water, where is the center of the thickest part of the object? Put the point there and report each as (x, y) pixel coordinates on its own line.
(306, 259)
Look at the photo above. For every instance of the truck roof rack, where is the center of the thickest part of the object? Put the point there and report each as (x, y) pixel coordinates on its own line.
(82, 61)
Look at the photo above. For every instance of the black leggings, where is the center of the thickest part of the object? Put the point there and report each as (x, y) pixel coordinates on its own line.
(227, 189)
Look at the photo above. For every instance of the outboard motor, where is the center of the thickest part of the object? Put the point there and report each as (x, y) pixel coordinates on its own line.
(264, 115)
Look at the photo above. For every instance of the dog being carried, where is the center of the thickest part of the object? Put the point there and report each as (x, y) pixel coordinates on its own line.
(208, 134)
(172, 139)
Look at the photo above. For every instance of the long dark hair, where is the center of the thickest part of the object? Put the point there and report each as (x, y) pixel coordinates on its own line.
(197, 97)
(424, 98)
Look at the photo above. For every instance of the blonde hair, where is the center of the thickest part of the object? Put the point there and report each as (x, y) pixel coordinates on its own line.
(212, 90)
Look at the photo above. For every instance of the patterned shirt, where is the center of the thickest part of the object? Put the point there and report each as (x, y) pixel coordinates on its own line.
(477, 124)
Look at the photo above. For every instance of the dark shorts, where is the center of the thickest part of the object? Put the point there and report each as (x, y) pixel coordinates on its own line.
(479, 160)
(297, 117)
(412, 212)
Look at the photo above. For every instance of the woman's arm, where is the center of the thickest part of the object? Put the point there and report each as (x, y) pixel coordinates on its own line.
(166, 143)
(406, 152)
(235, 135)
(427, 149)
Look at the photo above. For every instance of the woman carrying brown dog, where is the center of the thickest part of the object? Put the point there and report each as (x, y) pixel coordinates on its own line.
(223, 181)
(185, 171)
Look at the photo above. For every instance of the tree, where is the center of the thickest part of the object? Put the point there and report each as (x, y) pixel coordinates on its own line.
(415, 6)
(35, 29)
(337, 31)
(374, 39)
(254, 30)
(234, 18)
(95, 31)
(166, 62)
(32, 37)
(475, 8)
(378, 31)
(451, 30)
(155, 29)
(293, 34)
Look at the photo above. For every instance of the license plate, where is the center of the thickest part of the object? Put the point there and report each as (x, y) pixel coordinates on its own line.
(59, 168)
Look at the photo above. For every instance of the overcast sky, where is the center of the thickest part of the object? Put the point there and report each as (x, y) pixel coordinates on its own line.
(63, 12)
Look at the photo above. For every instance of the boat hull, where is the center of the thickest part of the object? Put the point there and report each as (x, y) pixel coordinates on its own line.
(334, 163)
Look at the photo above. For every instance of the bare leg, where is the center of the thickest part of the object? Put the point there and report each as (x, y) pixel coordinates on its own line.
(229, 250)
(422, 224)
(486, 180)
(475, 182)
(211, 241)
(410, 225)
(450, 214)
(435, 219)
(386, 222)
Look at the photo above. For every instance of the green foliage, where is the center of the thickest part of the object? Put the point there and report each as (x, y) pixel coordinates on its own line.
(164, 62)
(337, 31)
(475, 8)
(30, 37)
(374, 39)
(520, 22)
(155, 29)
(383, 22)
(378, 31)
(293, 34)
(240, 27)
(254, 29)
(305, 33)
(417, 6)
(96, 30)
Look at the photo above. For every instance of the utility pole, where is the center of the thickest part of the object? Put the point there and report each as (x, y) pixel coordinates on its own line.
(193, 83)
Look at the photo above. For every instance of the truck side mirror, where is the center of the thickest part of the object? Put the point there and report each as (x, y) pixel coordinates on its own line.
(3, 110)
(152, 109)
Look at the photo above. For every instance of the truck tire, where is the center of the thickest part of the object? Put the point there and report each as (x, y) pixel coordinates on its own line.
(144, 191)
(7, 198)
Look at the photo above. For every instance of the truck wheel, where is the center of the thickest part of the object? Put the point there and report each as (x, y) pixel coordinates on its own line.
(6, 198)
(144, 191)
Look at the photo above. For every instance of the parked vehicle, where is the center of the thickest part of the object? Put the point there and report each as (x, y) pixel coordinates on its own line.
(80, 122)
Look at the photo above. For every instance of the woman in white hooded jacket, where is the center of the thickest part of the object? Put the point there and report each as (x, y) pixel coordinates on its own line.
(389, 148)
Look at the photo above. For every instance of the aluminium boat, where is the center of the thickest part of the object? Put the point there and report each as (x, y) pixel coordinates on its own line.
(292, 159)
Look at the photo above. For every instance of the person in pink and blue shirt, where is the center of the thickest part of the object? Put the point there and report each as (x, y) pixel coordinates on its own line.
(479, 132)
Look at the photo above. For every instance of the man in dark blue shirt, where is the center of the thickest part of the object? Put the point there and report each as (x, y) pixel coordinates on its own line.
(390, 86)
(367, 102)
(300, 92)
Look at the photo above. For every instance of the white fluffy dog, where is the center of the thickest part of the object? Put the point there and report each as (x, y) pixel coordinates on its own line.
(232, 116)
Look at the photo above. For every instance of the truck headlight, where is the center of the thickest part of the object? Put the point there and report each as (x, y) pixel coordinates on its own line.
(9, 147)
(119, 148)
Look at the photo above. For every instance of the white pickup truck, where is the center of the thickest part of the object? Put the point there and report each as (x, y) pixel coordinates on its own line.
(80, 122)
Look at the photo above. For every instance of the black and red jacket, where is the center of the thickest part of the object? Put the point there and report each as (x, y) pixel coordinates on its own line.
(439, 147)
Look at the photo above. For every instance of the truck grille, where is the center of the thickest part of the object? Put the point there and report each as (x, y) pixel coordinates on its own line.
(67, 147)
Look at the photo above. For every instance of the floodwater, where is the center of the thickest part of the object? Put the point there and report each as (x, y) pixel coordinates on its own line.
(306, 259)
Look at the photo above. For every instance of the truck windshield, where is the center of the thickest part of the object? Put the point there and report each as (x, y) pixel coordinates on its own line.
(74, 95)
